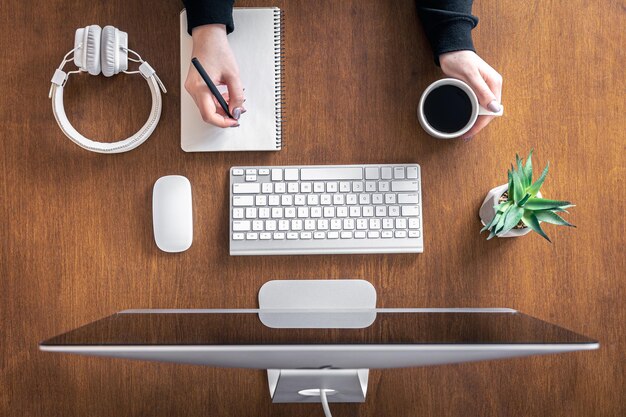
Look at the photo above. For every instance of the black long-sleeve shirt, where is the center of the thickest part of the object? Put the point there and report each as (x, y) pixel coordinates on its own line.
(447, 23)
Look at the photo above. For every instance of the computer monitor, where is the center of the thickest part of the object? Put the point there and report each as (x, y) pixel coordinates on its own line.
(382, 338)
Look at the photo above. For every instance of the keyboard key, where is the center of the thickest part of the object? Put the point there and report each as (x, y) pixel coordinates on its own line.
(312, 199)
(338, 199)
(274, 200)
(381, 211)
(400, 223)
(250, 178)
(335, 224)
(344, 187)
(351, 199)
(241, 225)
(383, 186)
(377, 199)
(292, 235)
(238, 236)
(319, 235)
(286, 200)
(375, 224)
(305, 187)
(243, 201)
(370, 186)
(270, 225)
(408, 211)
(291, 174)
(342, 211)
(296, 225)
(355, 211)
(237, 172)
(373, 235)
(318, 187)
(408, 198)
(400, 233)
(361, 224)
(411, 172)
(243, 188)
(368, 211)
(387, 223)
(404, 186)
(346, 235)
(414, 223)
(283, 225)
(325, 199)
(303, 212)
(371, 173)
(251, 213)
(277, 212)
(364, 199)
(331, 187)
(329, 212)
(264, 213)
(316, 212)
(260, 200)
(280, 187)
(394, 211)
(390, 199)
(277, 175)
(306, 235)
(322, 224)
(265, 236)
(290, 212)
(264, 171)
(257, 225)
(414, 233)
(348, 224)
(279, 236)
(250, 171)
(357, 187)
(238, 213)
(309, 224)
(386, 234)
(332, 235)
(398, 173)
(293, 187)
(267, 188)
(331, 173)
(386, 173)
(359, 235)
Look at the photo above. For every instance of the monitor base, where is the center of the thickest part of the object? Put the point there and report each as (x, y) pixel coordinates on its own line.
(304, 385)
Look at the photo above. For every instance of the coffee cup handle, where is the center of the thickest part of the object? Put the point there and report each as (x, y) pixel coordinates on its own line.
(484, 112)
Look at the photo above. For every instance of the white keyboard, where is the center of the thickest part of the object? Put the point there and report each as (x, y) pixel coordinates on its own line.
(325, 209)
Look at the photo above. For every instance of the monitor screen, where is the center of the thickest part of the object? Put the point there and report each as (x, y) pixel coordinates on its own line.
(243, 327)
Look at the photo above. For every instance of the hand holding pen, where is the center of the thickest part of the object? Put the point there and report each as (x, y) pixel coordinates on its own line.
(215, 58)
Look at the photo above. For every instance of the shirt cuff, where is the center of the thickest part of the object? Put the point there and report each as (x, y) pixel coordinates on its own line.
(205, 12)
(453, 36)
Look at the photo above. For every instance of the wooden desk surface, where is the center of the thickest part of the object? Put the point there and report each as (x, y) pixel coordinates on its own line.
(76, 227)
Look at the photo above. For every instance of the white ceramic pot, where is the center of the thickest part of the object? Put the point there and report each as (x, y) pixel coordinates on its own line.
(487, 211)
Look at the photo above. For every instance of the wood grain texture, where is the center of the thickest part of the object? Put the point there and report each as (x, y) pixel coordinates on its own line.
(76, 226)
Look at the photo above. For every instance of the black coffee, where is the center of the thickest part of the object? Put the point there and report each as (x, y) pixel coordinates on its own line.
(447, 109)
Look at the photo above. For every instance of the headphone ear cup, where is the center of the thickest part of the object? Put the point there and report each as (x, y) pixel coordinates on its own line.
(113, 52)
(87, 45)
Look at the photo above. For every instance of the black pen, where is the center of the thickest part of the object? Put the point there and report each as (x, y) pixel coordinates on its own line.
(211, 86)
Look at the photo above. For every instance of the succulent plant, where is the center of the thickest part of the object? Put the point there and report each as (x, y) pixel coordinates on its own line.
(523, 205)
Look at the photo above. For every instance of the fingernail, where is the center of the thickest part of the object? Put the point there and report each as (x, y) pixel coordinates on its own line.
(494, 106)
(243, 111)
(237, 113)
(237, 125)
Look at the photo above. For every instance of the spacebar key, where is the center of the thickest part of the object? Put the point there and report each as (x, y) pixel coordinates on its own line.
(331, 173)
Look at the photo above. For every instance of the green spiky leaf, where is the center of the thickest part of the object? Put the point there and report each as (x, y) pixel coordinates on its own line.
(518, 190)
(513, 217)
(524, 200)
(534, 189)
(549, 216)
(511, 186)
(528, 169)
(545, 204)
(530, 220)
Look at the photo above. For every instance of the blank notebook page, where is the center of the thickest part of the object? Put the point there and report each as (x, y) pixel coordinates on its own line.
(256, 45)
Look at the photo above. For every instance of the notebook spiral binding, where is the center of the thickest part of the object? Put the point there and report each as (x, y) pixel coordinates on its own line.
(279, 54)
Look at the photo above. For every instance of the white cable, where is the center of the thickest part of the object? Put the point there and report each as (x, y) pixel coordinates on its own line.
(325, 403)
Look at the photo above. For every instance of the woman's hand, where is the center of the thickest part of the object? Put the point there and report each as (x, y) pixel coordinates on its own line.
(484, 80)
(211, 47)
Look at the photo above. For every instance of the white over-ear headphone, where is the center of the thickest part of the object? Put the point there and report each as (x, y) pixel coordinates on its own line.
(104, 50)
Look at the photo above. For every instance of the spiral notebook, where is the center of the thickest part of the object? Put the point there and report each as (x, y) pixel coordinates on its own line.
(256, 43)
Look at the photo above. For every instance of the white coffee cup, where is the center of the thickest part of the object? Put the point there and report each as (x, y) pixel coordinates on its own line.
(477, 109)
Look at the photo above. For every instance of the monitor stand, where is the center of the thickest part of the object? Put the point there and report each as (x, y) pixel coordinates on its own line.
(355, 298)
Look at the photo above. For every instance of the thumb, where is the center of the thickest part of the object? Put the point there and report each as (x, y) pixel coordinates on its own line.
(235, 95)
(486, 97)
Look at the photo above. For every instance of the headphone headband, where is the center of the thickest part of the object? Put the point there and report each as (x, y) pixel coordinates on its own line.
(114, 59)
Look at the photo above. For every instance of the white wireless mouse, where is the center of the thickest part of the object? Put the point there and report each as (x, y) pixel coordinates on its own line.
(172, 213)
